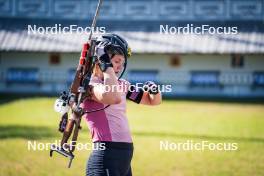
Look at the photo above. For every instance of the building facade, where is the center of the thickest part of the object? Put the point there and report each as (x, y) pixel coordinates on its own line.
(194, 65)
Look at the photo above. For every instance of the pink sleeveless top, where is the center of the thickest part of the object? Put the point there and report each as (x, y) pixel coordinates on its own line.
(110, 124)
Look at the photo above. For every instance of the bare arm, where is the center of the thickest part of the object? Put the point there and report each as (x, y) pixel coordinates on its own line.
(112, 96)
(150, 99)
(148, 95)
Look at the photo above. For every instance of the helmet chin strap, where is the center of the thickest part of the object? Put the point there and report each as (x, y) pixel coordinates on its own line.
(124, 69)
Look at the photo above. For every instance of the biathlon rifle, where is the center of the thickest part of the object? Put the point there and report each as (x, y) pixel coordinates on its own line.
(73, 99)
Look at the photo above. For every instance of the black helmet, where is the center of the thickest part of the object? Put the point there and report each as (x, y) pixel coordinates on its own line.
(117, 41)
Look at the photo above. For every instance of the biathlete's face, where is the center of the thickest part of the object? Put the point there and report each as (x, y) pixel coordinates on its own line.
(118, 63)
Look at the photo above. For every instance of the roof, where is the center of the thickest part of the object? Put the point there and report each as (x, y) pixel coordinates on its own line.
(140, 42)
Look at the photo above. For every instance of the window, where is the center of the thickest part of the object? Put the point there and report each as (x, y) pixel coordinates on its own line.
(237, 61)
(22, 75)
(54, 59)
(205, 79)
(258, 79)
(175, 60)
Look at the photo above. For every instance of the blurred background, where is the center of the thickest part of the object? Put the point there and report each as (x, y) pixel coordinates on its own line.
(223, 65)
(230, 67)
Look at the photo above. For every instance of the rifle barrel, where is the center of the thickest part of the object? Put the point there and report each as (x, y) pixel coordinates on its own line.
(95, 18)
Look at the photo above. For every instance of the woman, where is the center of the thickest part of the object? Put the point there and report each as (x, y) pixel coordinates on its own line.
(109, 127)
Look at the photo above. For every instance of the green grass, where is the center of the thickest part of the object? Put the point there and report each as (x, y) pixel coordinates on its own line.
(174, 121)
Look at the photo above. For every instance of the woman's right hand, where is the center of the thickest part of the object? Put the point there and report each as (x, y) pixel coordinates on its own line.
(103, 57)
